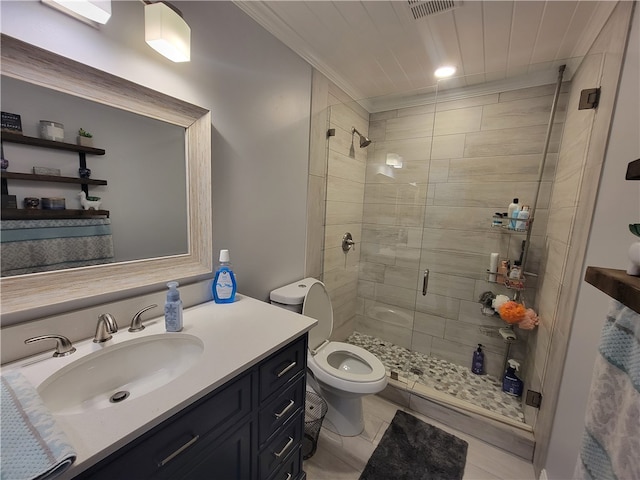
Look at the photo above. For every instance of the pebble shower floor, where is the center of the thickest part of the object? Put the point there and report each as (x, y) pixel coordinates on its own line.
(481, 390)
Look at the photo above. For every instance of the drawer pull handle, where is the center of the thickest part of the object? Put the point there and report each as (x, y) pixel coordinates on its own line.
(285, 448)
(285, 410)
(286, 369)
(179, 451)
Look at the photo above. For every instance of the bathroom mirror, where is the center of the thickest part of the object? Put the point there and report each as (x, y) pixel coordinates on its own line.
(28, 296)
(143, 203)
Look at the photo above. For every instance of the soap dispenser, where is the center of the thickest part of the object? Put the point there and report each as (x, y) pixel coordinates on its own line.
(173, 309)
(511, 384)
(224, 283)
(477, 363)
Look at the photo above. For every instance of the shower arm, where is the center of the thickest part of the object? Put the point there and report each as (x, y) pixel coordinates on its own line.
(534, 204)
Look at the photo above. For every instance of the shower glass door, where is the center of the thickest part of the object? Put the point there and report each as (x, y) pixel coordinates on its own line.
(436, 173)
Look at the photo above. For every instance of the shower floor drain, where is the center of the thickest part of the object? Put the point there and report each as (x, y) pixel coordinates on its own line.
(416, 371)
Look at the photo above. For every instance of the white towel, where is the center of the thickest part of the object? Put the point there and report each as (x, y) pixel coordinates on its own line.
(31, 444)
(611, 440)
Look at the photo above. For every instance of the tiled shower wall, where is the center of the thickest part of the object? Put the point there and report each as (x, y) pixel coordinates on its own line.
(336, 184)
(463, 160)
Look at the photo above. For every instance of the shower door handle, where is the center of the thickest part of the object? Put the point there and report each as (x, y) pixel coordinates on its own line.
(425, 282)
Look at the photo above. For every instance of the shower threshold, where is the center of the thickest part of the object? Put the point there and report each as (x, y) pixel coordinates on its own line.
(432, 377)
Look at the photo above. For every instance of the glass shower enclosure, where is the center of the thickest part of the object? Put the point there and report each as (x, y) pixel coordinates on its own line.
(424, 203)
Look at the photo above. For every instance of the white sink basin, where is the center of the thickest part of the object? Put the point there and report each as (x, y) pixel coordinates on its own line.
(136, 367)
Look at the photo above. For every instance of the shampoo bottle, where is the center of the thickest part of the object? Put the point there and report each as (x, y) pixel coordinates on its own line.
(513, 210)
(511, 384)
(523, 219)
(173, 309)
(477, 364)
(224, 283)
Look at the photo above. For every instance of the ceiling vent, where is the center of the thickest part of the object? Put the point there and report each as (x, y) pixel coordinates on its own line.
(422, 8)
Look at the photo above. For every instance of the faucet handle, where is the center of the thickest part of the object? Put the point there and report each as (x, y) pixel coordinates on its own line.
(63, 347)
(136, 321)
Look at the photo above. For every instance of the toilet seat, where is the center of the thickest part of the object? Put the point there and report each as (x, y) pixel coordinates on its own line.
(359, 354)
(329, 361)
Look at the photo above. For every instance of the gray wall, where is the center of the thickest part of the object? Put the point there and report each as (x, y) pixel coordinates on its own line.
(259, 94)
(143, 164)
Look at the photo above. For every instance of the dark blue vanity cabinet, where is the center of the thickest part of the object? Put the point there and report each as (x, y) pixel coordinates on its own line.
(250, 428)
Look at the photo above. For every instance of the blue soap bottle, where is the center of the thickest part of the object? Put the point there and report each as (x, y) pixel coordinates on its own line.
(511, 384)
(224, 283)
(173, 309)
(477, 364)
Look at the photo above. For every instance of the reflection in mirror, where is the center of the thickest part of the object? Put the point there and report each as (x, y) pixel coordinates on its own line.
(30, 296)
(145, 197)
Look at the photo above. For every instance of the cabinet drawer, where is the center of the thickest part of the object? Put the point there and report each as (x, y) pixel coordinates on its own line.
(180, 434)
(227, 458)
(278, 411)
(277, 370)
(276, 451)
(290, 468)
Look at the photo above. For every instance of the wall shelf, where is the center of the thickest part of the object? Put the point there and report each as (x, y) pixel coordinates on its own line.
(617, 284)
(40, 142)
(633, 170)
(37, 214)
(31, 214)
(52, 178)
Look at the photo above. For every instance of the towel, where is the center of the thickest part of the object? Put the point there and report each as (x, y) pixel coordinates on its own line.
(611, 438)
(31, 444)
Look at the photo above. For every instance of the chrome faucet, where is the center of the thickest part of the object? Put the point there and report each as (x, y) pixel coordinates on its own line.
(136, 321)
(63, 345)
(106, 326)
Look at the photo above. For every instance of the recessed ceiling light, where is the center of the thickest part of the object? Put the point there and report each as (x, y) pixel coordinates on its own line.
(445, 71)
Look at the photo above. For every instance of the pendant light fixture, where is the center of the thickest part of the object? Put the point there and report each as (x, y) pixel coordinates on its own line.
(92, 12)
(166, 31)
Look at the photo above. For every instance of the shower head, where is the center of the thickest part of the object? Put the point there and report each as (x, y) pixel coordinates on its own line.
(364, 141)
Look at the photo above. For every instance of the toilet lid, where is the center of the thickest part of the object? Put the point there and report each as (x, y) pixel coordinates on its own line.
(317, 304)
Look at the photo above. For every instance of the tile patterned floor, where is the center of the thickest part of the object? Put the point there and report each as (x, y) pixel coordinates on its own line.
(481, 390)
(344, 458)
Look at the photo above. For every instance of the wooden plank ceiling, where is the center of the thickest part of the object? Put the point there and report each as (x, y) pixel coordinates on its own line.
(378, 49)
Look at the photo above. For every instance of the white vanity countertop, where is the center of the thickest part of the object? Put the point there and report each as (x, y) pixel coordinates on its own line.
(236, 336)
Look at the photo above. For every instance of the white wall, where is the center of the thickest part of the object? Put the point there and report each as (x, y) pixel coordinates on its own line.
(618, 204)
(259, 94)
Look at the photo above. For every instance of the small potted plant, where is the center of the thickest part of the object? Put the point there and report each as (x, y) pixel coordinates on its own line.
(85, 138)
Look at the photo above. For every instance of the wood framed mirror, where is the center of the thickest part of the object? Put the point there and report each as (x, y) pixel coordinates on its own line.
(26, 297)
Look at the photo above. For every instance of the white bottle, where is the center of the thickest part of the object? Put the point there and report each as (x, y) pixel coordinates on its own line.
(513, 207)
(523, 219)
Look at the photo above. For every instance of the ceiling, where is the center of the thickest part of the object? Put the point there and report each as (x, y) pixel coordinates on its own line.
(377, 51)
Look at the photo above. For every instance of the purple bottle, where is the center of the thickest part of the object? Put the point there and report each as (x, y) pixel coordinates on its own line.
(477, 364)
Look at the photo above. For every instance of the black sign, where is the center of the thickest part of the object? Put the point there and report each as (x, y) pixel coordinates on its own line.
(11, 122)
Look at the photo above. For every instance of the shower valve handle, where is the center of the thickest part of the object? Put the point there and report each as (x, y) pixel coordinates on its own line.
(347, 242)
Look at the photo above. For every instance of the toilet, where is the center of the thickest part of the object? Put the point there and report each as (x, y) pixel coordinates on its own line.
(341, 373)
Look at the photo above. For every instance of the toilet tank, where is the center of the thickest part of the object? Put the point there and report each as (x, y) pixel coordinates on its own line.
(292, 296)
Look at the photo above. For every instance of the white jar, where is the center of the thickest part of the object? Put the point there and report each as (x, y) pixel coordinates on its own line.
(51, 131)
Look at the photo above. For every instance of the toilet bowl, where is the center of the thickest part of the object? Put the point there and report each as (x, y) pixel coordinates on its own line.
(341, 373)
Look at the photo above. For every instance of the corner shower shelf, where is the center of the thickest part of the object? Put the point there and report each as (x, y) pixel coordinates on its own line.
(505, 228)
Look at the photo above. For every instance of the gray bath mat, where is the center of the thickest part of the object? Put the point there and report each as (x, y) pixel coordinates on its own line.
(413, 450)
